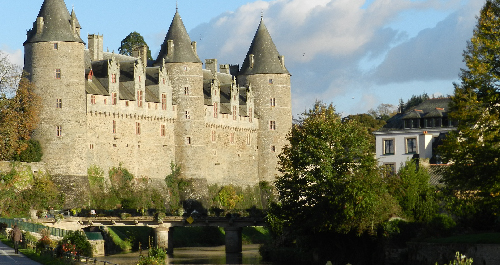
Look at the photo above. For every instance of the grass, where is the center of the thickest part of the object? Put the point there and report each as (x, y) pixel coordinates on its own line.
(33, 255)
(128, 238)
(483, 238)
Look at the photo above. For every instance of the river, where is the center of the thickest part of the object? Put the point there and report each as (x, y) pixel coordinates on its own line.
(196, 255)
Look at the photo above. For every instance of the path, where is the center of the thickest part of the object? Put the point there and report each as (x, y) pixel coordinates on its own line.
(7, 256)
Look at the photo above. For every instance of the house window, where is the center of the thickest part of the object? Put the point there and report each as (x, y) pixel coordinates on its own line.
(139, 78)
(114, 126)
(126, 103)
(114, 99)
(138, 128)
(231, 139)
(91, 146)
(188, 140)
(216, 109)
(390, 168)
(250, 115)
(56, 46)
(187, 115)
(92, 99)
(272, 125)
(234, 112)
(162, 130)
(163, 80)
(59, 103)
(185, 68)
(58, 73)
(186, 90)
(163, 102)
(273, 102)
(105, 101)
(273, 148)
(214, 136)
(270, 81)
(411, 145)
(139, 98)
(248, 139)
(389, 147)
(58, 131)
(113, 78)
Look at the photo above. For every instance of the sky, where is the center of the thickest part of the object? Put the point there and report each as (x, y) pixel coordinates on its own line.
(355, 54)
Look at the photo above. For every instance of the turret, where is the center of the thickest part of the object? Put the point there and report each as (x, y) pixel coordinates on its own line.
(54, 60)
(264, 71)
(178, 54)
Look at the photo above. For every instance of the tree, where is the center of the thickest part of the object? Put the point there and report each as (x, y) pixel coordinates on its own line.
(383, 111)
(18, 119)
(474, 149)
(133, 40)
(9, 75)
(330, 180)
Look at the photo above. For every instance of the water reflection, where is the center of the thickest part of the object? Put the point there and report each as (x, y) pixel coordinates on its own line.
(197, 255)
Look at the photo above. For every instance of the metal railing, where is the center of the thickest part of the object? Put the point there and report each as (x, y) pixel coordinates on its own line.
(32, 227)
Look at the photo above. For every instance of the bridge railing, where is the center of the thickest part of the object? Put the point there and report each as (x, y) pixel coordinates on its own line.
(32, 227)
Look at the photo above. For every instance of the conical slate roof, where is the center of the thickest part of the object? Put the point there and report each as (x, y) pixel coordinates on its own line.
(182, 51)
(265, 55)
(57, 24)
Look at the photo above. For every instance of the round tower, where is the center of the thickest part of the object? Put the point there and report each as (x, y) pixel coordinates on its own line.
(184, 68)
(264, 70)
(54, 60)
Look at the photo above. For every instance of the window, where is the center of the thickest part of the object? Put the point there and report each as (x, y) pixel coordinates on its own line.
(272, 125)
(113, 78)
(186, 90)
(273, 102)
(162, 130)
(390, 168)
(58, 73)
(250, 115)
(214, 136)
(91, 146)
(126, 103)
(231, 138)
(139, 98)
(58, 131)
(138, 128)
(273, 148)
(59, 103)
(270, 81)
(163, 101)
(139, 78)
(234, 112)
(114, 99)
(92, 99)
(105, 101)
(411, 145)
(114, 126)
(188, 140)
(56, 46)
(389, 147)
(248, 139)
(216, 109)
(163, 80)
(187, 115)
(185, 68)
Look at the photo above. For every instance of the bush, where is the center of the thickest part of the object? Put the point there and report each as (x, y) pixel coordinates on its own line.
(33, 153)
(79, 240)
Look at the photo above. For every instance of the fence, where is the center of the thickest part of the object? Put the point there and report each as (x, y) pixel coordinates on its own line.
(34, 228)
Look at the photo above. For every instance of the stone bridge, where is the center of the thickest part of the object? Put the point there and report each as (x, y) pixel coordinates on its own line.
(164, 227)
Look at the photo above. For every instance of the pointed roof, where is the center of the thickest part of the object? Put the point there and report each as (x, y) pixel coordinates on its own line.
(57, 24)
(182, 49)
(265, 55)
(73, 17)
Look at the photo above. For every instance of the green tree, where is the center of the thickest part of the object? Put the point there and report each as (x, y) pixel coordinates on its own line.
(10, 75)
(133, 40)
(383, 111)
(330, 179)
(474, 149)
(412, 190)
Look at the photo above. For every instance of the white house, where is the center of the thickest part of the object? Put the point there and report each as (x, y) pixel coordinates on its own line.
(416, 132)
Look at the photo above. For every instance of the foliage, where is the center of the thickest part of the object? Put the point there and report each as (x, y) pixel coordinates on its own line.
(32, 153)
(413, 101)
(81, 244)
(156, 256)
(411, 188)
(18, 119)
(383, 111)
(369, 122)
(330, 177)
(460, 260)
(474, 174)
(133, 40)
(9, 75)
(175, 185)
(45, 240)
(228, 198)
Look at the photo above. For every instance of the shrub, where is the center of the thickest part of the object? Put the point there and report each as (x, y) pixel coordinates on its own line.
(33, 152)
(81, 244)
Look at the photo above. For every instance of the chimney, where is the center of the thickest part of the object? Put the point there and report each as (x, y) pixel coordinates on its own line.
(39, 25)
(224, 68)
(141, 52)
(282, 60)
(211, 64)
(96, 47)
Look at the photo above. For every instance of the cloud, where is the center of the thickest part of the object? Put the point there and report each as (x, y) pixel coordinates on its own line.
(336, 48)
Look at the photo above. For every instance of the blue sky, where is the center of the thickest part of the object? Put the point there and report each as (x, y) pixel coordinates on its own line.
(355, 54)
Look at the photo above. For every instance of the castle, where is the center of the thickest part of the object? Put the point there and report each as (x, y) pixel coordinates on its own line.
(225, 125)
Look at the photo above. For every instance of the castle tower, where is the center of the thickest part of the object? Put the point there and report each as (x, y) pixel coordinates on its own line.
(264, 70)
(184, 68)
(54, 60)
